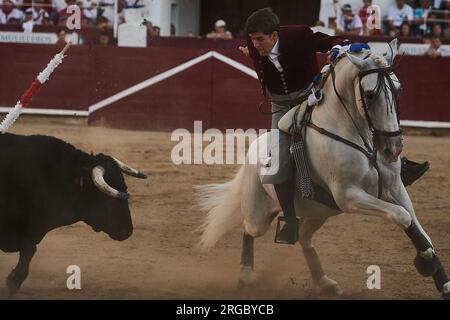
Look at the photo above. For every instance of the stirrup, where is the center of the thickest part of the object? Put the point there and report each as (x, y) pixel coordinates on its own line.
(291, 220)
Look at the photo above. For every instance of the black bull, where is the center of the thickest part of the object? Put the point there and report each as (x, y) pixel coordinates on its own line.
(46, 183)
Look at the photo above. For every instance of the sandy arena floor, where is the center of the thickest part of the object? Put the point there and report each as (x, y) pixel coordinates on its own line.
(160, 261)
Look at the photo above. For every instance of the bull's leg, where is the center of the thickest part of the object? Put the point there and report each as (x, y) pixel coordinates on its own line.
(426, 262)
(307, 229)
(246, 277)
(20, 272)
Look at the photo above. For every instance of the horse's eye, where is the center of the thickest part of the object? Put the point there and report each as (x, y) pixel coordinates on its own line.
(370, 95)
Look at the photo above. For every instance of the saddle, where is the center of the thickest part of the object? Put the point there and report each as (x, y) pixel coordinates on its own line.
(289, 123)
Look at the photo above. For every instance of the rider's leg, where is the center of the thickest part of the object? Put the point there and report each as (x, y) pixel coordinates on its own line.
(283, 180)
(285, 190)
(285, 193)
(412, 171)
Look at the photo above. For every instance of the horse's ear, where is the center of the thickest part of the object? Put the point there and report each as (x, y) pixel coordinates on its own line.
(392, 51)
(357, 61)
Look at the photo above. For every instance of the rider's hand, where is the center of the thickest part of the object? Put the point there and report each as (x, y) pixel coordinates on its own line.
(244, 50)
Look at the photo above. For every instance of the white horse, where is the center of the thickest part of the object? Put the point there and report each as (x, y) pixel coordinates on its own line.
(366, 86)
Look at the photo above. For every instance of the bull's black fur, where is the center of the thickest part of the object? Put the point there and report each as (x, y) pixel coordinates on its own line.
(46, 183)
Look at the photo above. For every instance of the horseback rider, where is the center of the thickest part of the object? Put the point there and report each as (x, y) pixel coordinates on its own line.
(284, 58)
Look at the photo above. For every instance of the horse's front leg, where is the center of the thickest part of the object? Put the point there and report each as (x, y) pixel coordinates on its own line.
(426, 262)
(355, 200)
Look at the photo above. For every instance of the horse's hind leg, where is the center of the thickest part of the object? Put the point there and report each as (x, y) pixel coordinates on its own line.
(246, 277)
(307, 229)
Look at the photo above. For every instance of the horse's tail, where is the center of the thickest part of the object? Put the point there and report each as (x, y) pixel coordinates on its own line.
(223, 203)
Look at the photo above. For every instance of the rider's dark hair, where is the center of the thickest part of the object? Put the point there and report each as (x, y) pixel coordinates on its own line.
(264, 20)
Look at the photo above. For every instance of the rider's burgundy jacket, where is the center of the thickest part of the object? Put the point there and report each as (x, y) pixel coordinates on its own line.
(297, 47)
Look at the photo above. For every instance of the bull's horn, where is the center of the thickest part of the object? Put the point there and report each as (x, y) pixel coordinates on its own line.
(100, 183)
(129, 170)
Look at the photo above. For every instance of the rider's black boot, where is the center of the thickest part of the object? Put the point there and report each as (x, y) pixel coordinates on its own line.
(289, 232)
(412, 171)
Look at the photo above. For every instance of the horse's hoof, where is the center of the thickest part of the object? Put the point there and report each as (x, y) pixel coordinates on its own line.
(246, 278)
(425, 267)
(12, 284)
(330, 287)
(333, 290)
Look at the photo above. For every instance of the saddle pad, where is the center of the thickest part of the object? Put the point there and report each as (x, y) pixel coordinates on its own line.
(285, 123)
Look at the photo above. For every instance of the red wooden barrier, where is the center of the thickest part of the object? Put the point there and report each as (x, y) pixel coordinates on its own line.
(212, 91)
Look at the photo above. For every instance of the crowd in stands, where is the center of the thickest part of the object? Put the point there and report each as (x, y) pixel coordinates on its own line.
(405, 18)
(427, 19)
(54, 12)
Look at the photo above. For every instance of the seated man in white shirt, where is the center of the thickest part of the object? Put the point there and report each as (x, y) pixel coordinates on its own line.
(9, 11)
(349, 23)
(397, 14)
(39, 15)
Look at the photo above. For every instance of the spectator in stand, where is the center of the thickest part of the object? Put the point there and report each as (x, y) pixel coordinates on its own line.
(405, 30)
(59, 5)
(153, 31)
(90, 11)
(61, 34)
(445, 14)
(437, 30)
(105, 9)
(102, 23)
(9, 12)
(49, 17)
(397, 14)
(349, 23)
(220, 31)
(156, 31)
(363, 15)
(39, 14)
(104, 39)
(436, 50)
(421, 15)
(28, 22)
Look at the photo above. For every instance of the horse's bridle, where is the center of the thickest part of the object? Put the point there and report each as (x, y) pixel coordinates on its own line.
(370, 153)
(385, 73)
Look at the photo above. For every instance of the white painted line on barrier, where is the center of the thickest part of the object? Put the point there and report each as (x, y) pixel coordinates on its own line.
(425, 124)
(235, 64)
(49, 112)
(149, 82)
(170, 73)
